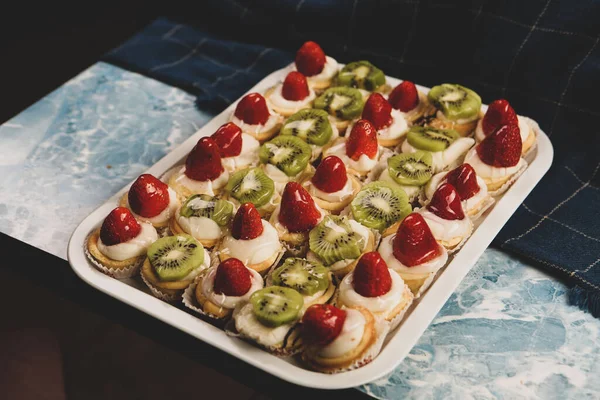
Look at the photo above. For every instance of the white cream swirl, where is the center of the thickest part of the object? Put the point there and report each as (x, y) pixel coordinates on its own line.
(222, 300)
(247, 324)
(397, 128)
(134, 247)
(364, 163)
(276, 99)
(202, 187)
(257, 129)
(349, 338)
(444, 158)
(202, 228)
(164, 215)
(489, 171)
(247, 157)
(253, 251)
(444, 229)
(386, 302)
(387, 253)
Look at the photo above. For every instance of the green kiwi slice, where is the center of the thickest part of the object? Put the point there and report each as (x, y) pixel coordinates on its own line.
(174, 257)
(455, 101)
(341, 102)
(333, 240)
(251, 185)
(276, 305)
(203, 205)
(379, 205)
(361, 74)
(288, 153)
(431, 139)
(412, 169)
(302, 275)
(310, 125)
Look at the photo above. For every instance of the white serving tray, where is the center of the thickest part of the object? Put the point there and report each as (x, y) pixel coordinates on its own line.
(397, 345)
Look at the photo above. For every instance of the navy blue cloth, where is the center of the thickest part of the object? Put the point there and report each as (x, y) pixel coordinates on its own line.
(543, 56)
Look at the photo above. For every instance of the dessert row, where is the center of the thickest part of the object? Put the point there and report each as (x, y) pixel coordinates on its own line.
(310, 222)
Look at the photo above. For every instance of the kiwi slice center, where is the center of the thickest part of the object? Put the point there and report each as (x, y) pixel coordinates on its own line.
(338, 101)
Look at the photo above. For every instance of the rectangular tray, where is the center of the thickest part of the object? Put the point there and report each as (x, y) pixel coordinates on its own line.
(397, 345)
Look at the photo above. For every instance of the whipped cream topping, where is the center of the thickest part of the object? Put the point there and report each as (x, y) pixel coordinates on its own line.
(411, 191)
(334, 197)
(387, 253)
(134, 247)
(201, 228)
(222, 300)
(278, 176)
(257, 129)
(490, 172)
(362, 166)
(468, 204)
(524, 129)
(247, 157)
(253, 251)
(202, 187)
(362, 230)
(440, 115)
(384, 303)
(444, 229)
(444, 158)
(276, 99)
(330, 69)
(398, 127)
(350, 336)
(164, 215)
(247, 324)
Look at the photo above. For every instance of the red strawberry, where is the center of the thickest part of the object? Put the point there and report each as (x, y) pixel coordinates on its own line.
(252, 109)
(204, 161)
(445, 203)
(229, 139)
(232, 278)
(119, 226)
(378, 111)
(247, 223)
(330, 175)
(498, 113)
(322, 323)
(502, 148)
(362, 140)
(464, 180)
(404, 97)
(148, 196)
(295, 87)
(371, 276)
(310, 59)
(414, 243)
(298, 212)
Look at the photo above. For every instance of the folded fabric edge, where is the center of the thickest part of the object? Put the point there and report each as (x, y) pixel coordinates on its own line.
(584, 299)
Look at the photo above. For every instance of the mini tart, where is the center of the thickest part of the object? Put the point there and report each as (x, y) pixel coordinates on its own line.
(181, 184)
(247, 158)
(497, 179)
(346, 194)
(423, 109)
(121, 269)
(395, 133)
(448, 158)
(528, 135)
(323, 80)
(448, 233)
(261, 132)
(281, 179)
(360, 168)
(464, 128)
(317, 298)
(291, 238)
(285, 107)
(359, 355)
(158, 221)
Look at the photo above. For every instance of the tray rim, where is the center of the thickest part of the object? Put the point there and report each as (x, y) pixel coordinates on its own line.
(397, 345)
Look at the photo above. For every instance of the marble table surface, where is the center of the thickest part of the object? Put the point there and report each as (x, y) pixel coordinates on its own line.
(506, 333)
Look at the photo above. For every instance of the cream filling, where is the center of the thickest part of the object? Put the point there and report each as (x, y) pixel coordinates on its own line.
(276, 98)
(468, 204)
(398, 127)
(134, 247)
(278, 176)
(334, 197)
(524, 129)
(411, 191)
(202, 187)
(444, 158)
(441, 116)
(247, 324)
(384, 303)
(164, 215)
(222, 300)
(253, 251)
(349, 338)
(363, 231)
(248, 156)
(364, 163)
(444, 229)
(330, 69)
(257, 129)
(489, 171)
(202, 228)
(387, 253)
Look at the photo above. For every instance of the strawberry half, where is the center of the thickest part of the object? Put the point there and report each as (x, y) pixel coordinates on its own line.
(295, 87)
(502, 148)
(498, 113)
(362, 140)
(445, 203)
(330, 175)
(371, 277)
(310, 59)
(404, 97)
(378, 111)
(464, 180)
(232, 278)
(298, 212)
(148, 196)
(119, 226)
(229, 139)
(204, 161)
(414, 243)
(252, 109)
(247, 223)
(322, 323)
